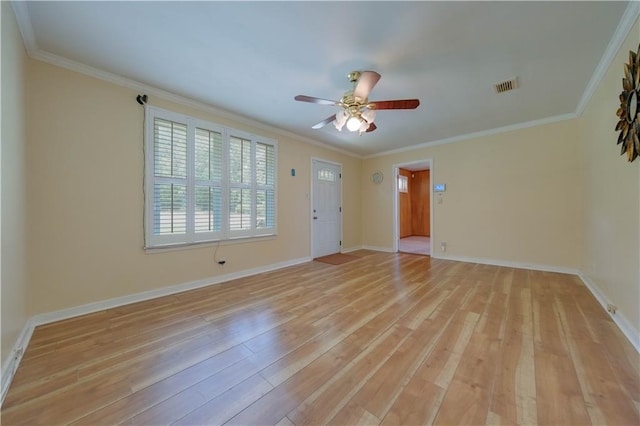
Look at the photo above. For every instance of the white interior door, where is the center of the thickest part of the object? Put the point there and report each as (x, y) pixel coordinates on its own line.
(326, 209)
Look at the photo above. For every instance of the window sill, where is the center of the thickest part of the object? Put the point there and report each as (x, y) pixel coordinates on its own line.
(204, 244)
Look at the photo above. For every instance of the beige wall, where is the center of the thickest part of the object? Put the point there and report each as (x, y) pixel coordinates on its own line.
(514, 197)
(554, 195)
(86, 202)
(14, 202)
(612, 249)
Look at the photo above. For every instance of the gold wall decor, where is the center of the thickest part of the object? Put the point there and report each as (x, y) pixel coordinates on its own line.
(629, 111)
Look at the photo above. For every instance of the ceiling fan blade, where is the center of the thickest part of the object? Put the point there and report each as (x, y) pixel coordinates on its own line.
(396, 104)
(366, 82)
(324, 122)
(303, 98)
(372, 127)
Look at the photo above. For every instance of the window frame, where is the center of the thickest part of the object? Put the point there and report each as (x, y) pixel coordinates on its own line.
(191, 237)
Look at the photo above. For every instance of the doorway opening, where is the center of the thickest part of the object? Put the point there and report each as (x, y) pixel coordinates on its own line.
(413, 213)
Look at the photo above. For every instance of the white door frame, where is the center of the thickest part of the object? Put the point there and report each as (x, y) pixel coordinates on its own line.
(396, 198)
(311, 198)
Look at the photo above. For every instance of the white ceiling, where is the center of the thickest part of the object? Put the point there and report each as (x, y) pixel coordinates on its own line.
(252, 58)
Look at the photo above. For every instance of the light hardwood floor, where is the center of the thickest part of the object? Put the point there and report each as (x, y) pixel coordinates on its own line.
(384, 339)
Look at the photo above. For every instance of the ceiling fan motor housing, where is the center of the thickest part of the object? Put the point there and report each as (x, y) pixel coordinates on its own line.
(353, 76)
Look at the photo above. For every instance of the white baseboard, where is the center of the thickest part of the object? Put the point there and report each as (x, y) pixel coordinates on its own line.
(376, 248)
(623, 324)
(351, 249)
(11, 365)
(164, 291)
(507, 263)
(483, 261)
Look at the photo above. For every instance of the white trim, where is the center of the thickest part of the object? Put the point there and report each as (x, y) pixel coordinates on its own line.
(432, 213)
(164, 291)
(378, 248)
(28, 36)
(619, 319)
(493, 262)
(482, 133)
(508, 264)
(11, 364)
(395, 216)
(190, 183)
(631, 14)
(216, 243)
(20, 10)
(78, 67)
(396, 203)
(26, 29)
(352, 249)
(629, 17)
(71, 65)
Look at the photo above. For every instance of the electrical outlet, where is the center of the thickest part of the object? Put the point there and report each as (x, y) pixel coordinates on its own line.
(612, 309)
(443, 246)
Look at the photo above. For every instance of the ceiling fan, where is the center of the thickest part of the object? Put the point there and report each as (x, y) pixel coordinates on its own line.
(358, 113)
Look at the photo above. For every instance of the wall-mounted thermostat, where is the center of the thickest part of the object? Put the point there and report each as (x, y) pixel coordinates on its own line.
(440, 187)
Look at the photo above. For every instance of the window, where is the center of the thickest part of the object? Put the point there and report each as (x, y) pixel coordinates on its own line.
(326, 175)
(205, 182)
(403, 183)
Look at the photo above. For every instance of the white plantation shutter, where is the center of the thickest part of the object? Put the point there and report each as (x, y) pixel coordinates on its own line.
(170, 178)
(240, 185)
(204, 182)
(208, 183)
(265, 187)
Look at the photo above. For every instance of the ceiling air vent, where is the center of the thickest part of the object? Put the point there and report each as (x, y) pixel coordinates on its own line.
(505, 86)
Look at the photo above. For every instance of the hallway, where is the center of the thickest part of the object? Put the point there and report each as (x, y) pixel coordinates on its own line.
(415, 245)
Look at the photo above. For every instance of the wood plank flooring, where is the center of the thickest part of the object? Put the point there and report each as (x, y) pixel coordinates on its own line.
(385, 339)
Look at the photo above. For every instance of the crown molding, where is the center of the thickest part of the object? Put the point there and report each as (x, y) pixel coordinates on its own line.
(20, 9)
(29, 39)
(631, 14)
(482, 133)
(629, 18)
(118, 80)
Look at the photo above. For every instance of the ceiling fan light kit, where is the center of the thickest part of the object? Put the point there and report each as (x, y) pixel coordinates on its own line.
(353, 123)
(356, 121)
(341, 119)
(357, 113)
